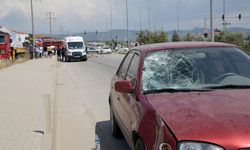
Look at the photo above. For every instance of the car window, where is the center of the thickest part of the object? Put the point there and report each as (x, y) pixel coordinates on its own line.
(133, 69)
(124, 67)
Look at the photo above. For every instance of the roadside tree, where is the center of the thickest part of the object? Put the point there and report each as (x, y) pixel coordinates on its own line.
(175, 37)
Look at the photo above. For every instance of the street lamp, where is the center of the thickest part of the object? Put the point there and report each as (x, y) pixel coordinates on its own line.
(178, 15)
(127, 21)
(111, 20)
(211, 21)
(140, 17)
(149, 23)
(224, 16)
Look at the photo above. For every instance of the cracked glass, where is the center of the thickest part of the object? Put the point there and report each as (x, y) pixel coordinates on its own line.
(194, 68)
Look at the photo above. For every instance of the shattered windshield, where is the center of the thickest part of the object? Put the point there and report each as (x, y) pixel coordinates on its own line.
(195, 68)
(75, 45)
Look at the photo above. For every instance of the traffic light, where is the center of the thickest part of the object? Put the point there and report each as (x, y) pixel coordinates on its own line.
(96, 32)
(223, 17)
(239, 16)
(85, 33)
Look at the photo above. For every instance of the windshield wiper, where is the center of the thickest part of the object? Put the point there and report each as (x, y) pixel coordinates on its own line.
(228, 87)
(172, 90)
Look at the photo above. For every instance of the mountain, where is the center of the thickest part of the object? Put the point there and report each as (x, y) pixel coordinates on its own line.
(121, 35)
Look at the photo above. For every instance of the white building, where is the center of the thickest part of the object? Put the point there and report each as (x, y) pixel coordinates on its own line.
(18, 38)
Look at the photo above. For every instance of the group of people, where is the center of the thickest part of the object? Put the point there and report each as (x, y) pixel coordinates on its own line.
(46, 52)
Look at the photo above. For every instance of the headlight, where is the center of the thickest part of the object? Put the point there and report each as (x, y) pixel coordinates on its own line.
(198, 146)
(69, 53)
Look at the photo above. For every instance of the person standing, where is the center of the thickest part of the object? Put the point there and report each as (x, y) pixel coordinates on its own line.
(45, 52)
(31, 51)
(58, 52)
(63, 53)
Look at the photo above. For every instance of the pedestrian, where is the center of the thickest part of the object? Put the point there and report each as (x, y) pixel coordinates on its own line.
(63, 53)
(45, 55)
(49, 49)
(58, 52)
(31, 51)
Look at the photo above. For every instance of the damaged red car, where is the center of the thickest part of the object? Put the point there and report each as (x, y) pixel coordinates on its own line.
(182, 96)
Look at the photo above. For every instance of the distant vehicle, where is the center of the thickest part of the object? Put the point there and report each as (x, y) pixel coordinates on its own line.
(52, 43)
(96, 45)
(75, 48)
(5, 41)
(182, 96)
(106, 50)
(19, 42)
(99, 48)
(125, 49)
(92, 50)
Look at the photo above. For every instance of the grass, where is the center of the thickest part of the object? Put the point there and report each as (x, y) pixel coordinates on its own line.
(6, 62)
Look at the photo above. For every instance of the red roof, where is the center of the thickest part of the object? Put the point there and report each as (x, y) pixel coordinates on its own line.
(17, 32)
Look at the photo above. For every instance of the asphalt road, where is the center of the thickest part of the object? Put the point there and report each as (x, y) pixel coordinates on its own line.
(82, 104)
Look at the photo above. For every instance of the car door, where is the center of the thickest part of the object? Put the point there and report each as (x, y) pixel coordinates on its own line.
(128, 100)
(117, 96)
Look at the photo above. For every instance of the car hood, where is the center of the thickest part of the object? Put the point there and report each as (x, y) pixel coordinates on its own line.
(221, 116)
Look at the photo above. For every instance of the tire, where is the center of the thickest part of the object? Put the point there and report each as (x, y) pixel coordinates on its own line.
(66, 59)
(85, 58)
(139, 145)
(116, 131)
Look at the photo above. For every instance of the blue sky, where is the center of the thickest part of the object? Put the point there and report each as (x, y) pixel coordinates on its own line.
(91, 15)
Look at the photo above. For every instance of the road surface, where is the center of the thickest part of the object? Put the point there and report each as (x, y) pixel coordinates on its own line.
(82, 109)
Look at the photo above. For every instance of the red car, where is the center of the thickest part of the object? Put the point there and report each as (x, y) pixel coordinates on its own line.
(184, 96)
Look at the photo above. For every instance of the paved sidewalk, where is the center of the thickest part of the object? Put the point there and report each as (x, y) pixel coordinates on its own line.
(24, 90)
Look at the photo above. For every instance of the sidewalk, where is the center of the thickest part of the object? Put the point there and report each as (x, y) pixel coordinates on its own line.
(25, 109)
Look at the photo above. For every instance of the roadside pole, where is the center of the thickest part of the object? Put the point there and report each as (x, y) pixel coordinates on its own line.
(211, 21)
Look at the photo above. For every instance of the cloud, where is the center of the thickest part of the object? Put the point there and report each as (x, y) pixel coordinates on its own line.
(91, 15)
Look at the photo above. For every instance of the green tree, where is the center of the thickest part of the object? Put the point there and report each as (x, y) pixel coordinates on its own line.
(163, 36)
(148, 37)
(188, 37)
(235, 38)
(247, 46)
(175, 37)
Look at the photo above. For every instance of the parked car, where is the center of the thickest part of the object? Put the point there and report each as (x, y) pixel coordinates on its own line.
(93, 50)
(106, 50)
(182, 96)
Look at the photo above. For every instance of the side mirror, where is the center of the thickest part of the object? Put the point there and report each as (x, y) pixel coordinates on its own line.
(123, 86)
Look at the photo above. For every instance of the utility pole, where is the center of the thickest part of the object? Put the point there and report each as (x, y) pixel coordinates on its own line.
(127, 22)
(140, 18)
(111, 22)
(178, 25)
(211, 21)
(61, 30)
(106, 23)
(205, 25)
(149, 22)
(50, 17)
(224, 14)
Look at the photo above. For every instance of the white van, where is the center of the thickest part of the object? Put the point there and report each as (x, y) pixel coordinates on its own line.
(75, 48)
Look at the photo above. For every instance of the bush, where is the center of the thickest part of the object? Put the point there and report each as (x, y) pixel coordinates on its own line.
(148, 37)
(175, 37)
(235, 38)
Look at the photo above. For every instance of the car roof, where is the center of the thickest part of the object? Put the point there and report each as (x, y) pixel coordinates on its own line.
(177, 45)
